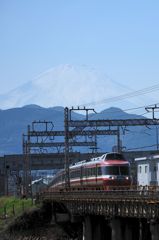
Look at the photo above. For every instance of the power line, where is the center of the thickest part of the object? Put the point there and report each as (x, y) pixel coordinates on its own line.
(154, 145)
(127, 95)
(134, 108)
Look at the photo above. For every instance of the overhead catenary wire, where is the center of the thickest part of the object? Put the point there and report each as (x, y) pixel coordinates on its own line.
(132, 109)
(130, 149)
(129, 95)
(124, 96)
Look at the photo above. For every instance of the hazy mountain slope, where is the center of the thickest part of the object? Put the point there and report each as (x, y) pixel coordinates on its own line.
(131, 137)
(13, 123)
(67, 86)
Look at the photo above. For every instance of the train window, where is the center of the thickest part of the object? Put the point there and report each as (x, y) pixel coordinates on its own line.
(114, 156)
(75, 173)
(63, 177)
(103, 156)
(145, 169)
(140, 169)
(93, 171)
(78, 173)
(124, 170)
(155, 169)
(111, 170)
(87, 172)
(99, 171)
(72, 174)
(84, 172)
(116, 170)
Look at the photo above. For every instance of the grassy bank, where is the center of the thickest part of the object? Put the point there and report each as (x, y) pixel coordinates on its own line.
(11, 207)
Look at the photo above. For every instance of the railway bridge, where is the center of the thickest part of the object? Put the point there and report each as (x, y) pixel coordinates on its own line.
(110, 215)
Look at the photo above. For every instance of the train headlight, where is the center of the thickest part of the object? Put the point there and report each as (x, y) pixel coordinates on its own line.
(127, 178)
(112, 177)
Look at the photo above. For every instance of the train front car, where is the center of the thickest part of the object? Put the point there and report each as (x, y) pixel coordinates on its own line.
(109, 171)
(115, 171)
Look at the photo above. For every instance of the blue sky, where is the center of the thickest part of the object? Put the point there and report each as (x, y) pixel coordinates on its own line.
(120, 37)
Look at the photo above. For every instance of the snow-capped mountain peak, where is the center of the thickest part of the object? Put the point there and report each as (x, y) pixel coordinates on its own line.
(65, 85)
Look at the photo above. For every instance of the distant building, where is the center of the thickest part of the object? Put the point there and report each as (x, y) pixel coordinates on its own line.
(37, 185)
(148, 170)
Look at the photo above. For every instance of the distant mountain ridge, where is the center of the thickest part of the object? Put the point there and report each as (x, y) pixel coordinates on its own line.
(14, 122)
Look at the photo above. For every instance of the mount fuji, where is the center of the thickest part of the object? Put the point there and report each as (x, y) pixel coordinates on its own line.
(67, 86)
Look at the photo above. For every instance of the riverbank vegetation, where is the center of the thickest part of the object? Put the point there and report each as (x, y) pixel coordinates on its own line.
(12, 207)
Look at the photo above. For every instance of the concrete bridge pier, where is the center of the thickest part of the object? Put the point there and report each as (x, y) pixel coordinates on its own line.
(116, 229)
(125, 229)
(96, 227)
(144, 230)
(87, 228)
(135, 229)
(101, 228)
(154, 229)
(128, 232)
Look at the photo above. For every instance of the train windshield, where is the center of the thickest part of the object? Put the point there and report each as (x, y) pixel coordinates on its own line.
(114, 156)
(115, 170)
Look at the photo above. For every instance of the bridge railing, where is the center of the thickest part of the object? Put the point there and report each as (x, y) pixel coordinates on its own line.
(89, 194)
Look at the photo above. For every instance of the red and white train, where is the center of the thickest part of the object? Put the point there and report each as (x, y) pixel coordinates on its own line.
(108, 171)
